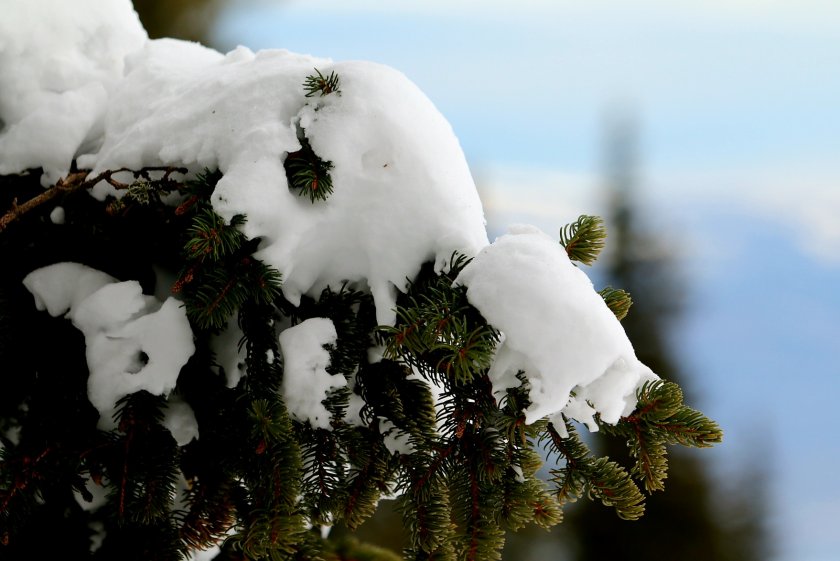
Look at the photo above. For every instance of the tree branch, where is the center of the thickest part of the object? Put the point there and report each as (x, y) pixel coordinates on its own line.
(77, 181)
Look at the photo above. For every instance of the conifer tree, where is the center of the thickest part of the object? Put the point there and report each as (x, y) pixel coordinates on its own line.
(274, 414)
(687, 520)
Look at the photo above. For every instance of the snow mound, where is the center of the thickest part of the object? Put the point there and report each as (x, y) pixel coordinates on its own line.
(58, 61)
(133, 342)
(403, 193)
(556, 328)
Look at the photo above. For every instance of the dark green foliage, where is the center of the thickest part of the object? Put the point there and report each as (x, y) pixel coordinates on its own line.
(598, 478)
(305, 170)
(308, 173)
(261, 481)
(439, 333)
(219, 275)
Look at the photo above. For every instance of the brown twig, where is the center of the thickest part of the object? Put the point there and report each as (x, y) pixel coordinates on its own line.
(76, 181)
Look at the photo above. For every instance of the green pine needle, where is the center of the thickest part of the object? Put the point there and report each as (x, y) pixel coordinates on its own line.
(319, 83)
(308, 173)
(599, 478)
(661, 418)
(617, 300)
(584, 239)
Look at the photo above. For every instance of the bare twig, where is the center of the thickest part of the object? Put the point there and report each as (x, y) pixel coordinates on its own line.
(75, 182)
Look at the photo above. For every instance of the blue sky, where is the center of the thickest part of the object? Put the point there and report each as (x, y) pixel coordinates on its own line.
(738, 110)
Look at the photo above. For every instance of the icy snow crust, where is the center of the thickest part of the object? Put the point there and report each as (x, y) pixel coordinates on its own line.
(81, 80)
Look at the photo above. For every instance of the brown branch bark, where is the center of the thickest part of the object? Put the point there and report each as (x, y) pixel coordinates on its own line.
(75, 182)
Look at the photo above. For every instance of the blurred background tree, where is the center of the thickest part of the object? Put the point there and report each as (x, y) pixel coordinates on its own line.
(690, 520)
(191, 20)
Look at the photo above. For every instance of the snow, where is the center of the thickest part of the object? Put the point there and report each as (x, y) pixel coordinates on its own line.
(133, 342)
(57, 215)
(395, 440)
(306, 381)
(58, 61)
(556, 327)
(99, 495)
(404, 194)
(82, 81)
(58, 288)
(179, 419)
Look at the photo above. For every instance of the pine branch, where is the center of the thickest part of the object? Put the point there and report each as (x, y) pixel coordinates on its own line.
(77, 181)
(617, 300)
(584, 239)
(319, 84)
(372, 469)
(210, 513)
(308, 173)
(661, 418)
(324, 475)
(211, 238)
(439, 333)
(598, 478)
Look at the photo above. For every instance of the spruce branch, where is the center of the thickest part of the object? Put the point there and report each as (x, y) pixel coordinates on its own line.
(372, 469)
(598, 478)
(661, 418)
(211, 238)
(308, 173)
(318, 83)
(77, 181)
(210, 513)
(617, 300)
(584, 239)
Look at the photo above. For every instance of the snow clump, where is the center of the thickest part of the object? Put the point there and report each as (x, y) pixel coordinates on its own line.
(306, 382)
(556, 328)
(133, 342)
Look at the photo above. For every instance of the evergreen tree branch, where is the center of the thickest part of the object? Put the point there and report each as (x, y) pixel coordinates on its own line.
(77, 181)
(308, 173)
(617, 300)
(318, 83)
(595, 477)
(584, 239)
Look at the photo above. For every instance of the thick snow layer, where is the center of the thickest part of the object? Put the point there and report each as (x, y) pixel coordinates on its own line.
(133, 342)
(87, 84)
(556, 327)
(58, 61)
(402, 191)
(306, 381)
